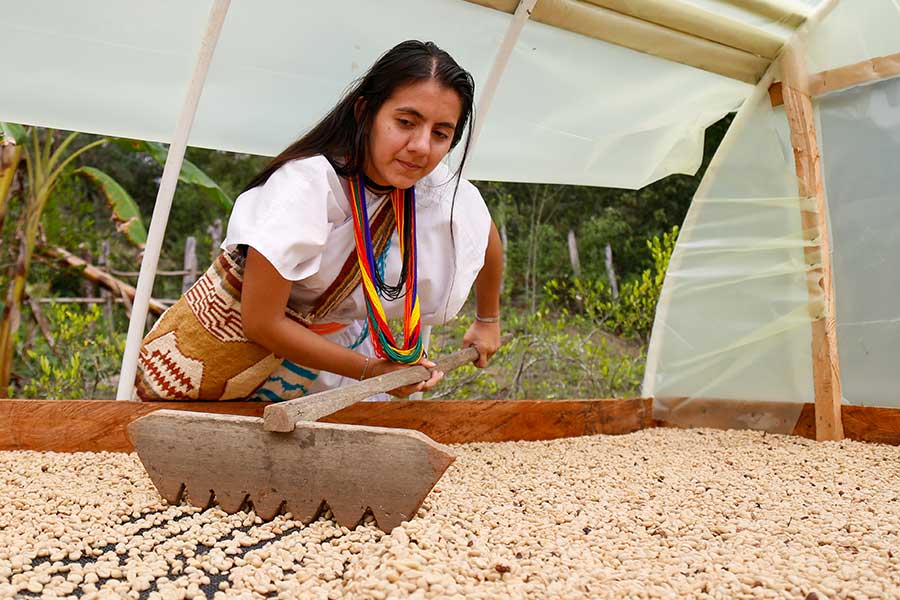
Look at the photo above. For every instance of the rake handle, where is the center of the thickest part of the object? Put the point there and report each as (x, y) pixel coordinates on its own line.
(283, 415)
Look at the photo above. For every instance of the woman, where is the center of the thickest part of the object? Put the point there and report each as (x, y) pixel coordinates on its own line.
(357, 223)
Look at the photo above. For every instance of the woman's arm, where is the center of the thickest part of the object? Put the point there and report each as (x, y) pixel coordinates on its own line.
(486, 335)
(264, 298)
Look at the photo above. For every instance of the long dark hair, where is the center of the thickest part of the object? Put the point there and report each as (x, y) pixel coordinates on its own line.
(342, 135)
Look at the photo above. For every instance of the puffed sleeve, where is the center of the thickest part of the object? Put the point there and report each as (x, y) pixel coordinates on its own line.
(288, 219)
(449, 263)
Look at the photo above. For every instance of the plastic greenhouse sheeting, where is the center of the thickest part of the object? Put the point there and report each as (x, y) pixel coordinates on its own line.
(733, 321)
(570, 109)
(734, 316)
(860, 134)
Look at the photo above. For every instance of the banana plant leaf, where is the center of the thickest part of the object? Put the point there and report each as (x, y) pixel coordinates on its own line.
(125, 211)
(12, 131)
(190, 173)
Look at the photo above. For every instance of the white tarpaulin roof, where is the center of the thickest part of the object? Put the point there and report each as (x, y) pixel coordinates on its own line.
(569, 108)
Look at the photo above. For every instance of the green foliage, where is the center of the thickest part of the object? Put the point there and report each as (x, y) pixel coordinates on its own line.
(550, 357)
(190, 173)
(631, 315)
(12, 131)
(125, 211)
(82, 363)
(638, 299)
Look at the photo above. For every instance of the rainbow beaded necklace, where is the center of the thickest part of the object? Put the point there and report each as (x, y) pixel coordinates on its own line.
(410, 351)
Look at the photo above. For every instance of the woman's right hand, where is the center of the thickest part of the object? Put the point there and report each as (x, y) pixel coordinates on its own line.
(382, 366)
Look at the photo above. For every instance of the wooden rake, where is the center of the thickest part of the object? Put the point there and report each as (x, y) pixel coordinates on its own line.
(286, 462)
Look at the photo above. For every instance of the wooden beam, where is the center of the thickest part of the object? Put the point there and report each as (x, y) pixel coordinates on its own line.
(873, 424)
(788, 13)
(826, 365)
(694, 20)
(585, 18)
(824, 82)
(775, 94)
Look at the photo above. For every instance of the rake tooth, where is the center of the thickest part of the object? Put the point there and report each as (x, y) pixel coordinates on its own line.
(172, 491)
(202, 501)
(231, 502)
(388, 521)
(347, 514)
(304, 510)
(267, 505)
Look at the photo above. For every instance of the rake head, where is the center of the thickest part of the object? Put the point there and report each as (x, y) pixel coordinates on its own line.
(233, 462)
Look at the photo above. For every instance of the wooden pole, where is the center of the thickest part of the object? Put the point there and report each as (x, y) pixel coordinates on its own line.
(611, 273)
(104, 293)
(504, 243)
(190, 264)
(832, 80)
(215, 238)
(41, 320)
(282, 416)
(826, 366)
(89, 288)
(573, 253)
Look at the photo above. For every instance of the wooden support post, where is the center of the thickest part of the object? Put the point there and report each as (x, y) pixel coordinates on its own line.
(573, 253)
(103, 264)
(89, 288)
(826, 367)
(504, 243)
(611, 273)
(190, 264)
(215, 238)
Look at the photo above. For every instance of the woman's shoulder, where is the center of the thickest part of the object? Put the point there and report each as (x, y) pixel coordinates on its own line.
(309, 170)
(304, 187)
(299, 181)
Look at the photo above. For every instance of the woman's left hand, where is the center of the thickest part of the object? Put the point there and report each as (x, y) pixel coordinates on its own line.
(486, 338)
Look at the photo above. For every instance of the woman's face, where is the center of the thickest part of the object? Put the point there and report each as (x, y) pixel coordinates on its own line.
(411, 133)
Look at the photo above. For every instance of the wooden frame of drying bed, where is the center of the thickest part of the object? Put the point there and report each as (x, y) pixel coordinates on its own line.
(100, 425)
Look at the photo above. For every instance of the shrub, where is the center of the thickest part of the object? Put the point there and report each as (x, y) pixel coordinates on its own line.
(83, 362)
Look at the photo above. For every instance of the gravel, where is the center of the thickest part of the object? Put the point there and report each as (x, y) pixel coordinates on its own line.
(661, 513)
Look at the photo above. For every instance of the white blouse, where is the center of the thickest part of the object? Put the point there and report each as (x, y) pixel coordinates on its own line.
(300, 220)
